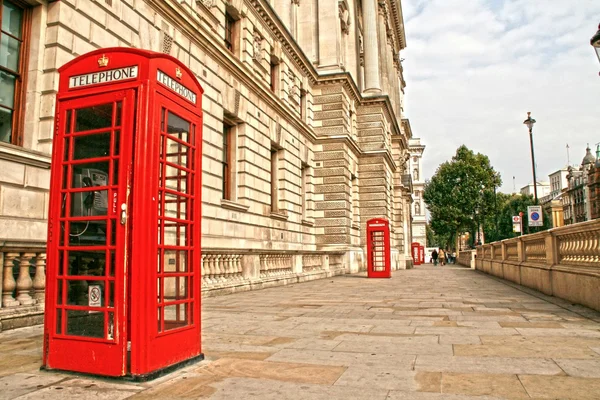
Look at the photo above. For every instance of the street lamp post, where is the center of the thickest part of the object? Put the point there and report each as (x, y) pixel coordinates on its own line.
(529, 122)
(595, 42)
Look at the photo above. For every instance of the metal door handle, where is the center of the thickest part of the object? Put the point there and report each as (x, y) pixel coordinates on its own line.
(123, 213)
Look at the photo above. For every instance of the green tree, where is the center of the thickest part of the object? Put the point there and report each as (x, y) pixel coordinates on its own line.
(461, 194)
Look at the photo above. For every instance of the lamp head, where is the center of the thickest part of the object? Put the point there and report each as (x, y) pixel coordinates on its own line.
(529, 121)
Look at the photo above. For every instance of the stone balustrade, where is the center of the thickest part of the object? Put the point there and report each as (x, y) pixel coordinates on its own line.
(562, 262)
(22, 283)
(466, 258)
(224, 271)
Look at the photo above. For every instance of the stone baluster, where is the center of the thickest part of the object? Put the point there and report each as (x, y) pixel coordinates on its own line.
(203, 268)
(228, 267)
(218, 268)
(210, 272)
(8, 283)
(39, 280)
(24, 282)
(239, 268)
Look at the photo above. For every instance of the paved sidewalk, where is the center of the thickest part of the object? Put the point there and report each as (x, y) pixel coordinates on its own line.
(427, 333)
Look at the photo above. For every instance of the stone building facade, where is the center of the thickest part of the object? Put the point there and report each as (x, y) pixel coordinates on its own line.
(303, 137)
(419, 221)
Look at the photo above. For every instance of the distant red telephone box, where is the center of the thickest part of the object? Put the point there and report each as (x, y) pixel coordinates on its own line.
(123, 261)
(378, 248)
(421, 254)
(415, 249)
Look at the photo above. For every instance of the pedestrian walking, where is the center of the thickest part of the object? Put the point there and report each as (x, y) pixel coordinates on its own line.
(434, 257)
(453, 256)
(442, 257)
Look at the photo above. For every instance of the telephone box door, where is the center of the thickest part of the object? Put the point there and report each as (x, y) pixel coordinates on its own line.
(87, 260)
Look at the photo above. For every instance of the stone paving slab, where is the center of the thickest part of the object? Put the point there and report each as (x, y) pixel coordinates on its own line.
(430, 333)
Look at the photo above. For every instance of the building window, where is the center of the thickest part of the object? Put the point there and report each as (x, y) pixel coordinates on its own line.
(274, 179)
(274, 75)
(302, 104)
(228, 159)
(230, 26)
(13, 49)
(304, 189)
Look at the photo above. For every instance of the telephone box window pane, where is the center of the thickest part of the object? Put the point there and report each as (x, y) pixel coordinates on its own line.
(9, 52)
(58, 321)
(175, 206)
(111, 294)
(175, 288)
(118, 116)
(67, 154)
(61, 234)
(12, 18)
(110, 334)
(87, 233)
(95, 117)
(176, 316)
(82, 323)
(86, 263)
(5, 118)
(177, 153)
(91, 146)
(175, 234)
(78, 293)
(176, 179)
(117, 136)
(175, 261)
(159, 314)
(91, 203)
(68, 122)
(113, 232)
(90, 174)
(178, 127)
(113, 261)
(59, 291)
(115, 172)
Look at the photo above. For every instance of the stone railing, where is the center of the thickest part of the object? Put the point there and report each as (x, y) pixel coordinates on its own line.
(562, 262)
(466, 258)
(22, 283)
(225, 271)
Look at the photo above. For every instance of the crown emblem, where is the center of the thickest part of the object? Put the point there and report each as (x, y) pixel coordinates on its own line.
(178, 73)
(103, 61)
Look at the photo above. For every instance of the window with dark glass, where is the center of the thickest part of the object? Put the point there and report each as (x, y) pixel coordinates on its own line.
(14, 16)
(274, 75)
(229, 32)
(226, 161)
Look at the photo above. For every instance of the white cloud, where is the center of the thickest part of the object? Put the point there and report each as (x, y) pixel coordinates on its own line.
(474, 68)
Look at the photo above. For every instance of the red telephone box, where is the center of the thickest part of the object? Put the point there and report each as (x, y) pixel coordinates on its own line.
(415, 250)
(378, 248)
(421, 254)
(123, 260)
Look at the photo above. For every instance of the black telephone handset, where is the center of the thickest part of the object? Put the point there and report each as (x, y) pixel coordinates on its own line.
(88, 202)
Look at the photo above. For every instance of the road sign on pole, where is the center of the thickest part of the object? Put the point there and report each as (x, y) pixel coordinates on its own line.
(535, 215)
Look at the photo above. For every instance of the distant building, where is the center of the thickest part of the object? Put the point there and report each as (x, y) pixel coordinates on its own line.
(594, 186)
(543, 189)
(576, 199)
(419, 220)
(552, 203)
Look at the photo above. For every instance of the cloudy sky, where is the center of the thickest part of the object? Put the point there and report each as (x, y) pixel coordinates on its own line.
(475, 67)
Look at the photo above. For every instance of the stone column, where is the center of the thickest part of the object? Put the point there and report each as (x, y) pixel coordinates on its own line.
(383, 54)
(372, 84)
(24, 282)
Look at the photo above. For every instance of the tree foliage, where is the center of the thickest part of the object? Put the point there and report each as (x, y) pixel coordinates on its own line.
(460, 193)
(512, 205)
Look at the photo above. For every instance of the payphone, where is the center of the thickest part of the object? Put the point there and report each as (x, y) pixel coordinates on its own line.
(415, 251)
(378, 248)
(123, 261)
